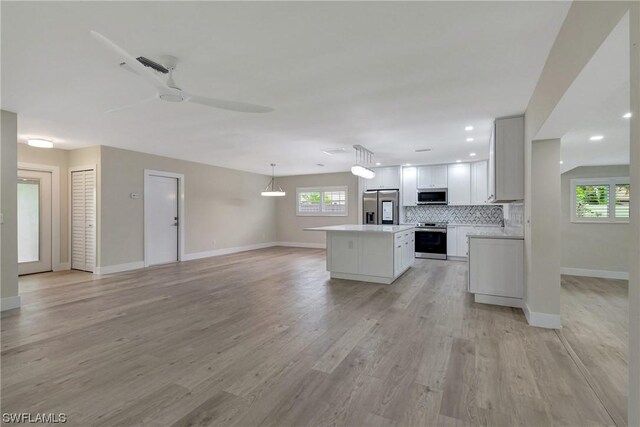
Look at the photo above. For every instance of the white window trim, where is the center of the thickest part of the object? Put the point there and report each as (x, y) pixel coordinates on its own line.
(598, 181)
(322, 190)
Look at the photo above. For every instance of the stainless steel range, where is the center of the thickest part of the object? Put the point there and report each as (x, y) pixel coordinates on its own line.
(431, 240)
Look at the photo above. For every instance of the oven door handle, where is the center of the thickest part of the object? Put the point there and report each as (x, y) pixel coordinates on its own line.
(431, 230)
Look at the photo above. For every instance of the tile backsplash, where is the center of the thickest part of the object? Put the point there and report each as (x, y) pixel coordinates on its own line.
(480, 214)
(514, 216)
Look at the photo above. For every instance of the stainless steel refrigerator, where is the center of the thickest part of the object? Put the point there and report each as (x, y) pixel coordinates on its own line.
(381, 207)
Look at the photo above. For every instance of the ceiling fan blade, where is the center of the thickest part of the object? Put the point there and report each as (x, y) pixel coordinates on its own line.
(135, 104)
(240, 107)
(132, 62)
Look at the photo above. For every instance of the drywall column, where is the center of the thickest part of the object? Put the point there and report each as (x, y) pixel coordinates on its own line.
(543, 298)
(634, 253)
(9, 208)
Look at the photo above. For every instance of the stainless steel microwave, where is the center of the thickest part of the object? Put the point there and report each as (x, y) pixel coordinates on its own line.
(432, 196)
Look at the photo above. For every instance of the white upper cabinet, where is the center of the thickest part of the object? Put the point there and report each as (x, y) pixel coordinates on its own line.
(479, 184)
(387, 178)
(409, 187)
(506, 160)
(459, 183)
(432, 176)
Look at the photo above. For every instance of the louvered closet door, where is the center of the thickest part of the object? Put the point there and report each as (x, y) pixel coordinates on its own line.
(83, 214)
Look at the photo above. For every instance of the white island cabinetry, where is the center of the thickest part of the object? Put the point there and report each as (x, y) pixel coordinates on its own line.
(370, 253)
(496, 269)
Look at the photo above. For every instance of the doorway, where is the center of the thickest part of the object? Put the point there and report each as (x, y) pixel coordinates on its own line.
(34, 221)
(163, 206)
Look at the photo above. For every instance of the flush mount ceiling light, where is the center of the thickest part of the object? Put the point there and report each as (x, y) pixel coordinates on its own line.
(472, 154)
(468, 128)
(40, 143)
(378, 163)
(596, 138)
(458, 161)
(271, 190)
(363, 157)
(627, 115)
(469, 139)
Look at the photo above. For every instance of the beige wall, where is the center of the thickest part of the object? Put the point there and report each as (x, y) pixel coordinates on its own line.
(221, 205)
(593, 246)
(8, 205)
(289, 226)
(59, 158)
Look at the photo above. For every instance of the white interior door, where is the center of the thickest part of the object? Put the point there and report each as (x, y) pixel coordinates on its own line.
(83, 220)
(162, 217)
(34, 221)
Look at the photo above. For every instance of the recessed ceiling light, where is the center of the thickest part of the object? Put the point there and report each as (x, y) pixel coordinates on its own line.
(40, 143)
(561, 162)
(596, 138)
(469, 139)
(472, 154)
(407, 164)
(378, 163)
(468, 128)
(627, 115)
(458, 161)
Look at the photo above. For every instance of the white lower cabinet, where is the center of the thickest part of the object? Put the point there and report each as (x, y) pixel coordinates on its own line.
(404, 251)
(496, 270)
(461, 241)
(458, 241)
(370, 256)
(452, 236)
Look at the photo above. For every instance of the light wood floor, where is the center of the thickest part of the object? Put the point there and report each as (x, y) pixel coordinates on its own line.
(265, 338)
(595, 319)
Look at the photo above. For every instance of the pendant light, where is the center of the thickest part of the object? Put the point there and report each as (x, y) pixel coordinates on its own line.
(363, 157)
(271, 190)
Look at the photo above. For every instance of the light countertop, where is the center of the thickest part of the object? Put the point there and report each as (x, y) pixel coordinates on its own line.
(364, 228)
(496, 234)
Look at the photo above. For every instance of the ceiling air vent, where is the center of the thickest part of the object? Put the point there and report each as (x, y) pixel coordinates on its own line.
(335, 151)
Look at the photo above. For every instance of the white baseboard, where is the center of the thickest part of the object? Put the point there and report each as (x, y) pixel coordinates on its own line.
(301, 245)
(118, 268)
(362, 278)
(542, 320)
(496, 300)
(603, 274)
(62, 266)
(226, 251)
(109, 269)
(9, 303)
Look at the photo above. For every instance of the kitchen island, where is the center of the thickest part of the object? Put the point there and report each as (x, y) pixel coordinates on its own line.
(369, 253)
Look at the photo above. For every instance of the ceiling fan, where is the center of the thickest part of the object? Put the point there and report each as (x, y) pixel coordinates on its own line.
(168, 90)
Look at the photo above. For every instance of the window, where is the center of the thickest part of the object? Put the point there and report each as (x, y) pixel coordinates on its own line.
(321, 201)
(600, 200)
